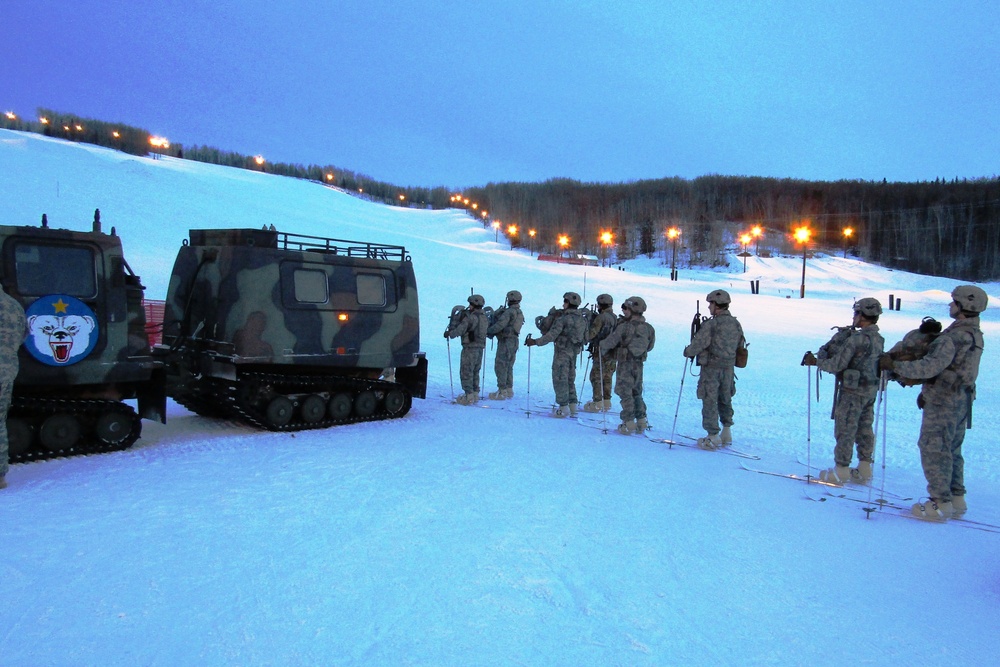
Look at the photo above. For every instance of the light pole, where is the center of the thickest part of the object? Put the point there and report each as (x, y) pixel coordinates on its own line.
(848, 233)
(496, 231)
(745, 239)
(511, 234)
(673, 234)
(607, 238)
(757, 232)
(531, 243)
(802, 235)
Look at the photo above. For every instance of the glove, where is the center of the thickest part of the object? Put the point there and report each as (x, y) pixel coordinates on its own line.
(446, 332)
(809, 359)
(920, 401)
(885, 362)
(530, 342)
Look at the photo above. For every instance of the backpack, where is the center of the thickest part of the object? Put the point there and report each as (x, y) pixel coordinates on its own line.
(545, 322)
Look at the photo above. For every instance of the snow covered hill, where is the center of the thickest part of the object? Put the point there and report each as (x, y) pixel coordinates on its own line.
(479, 535)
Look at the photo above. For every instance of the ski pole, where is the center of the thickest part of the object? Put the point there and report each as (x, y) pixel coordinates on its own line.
(677, 410)
(583, 382)
(451, 379)
(808, 423)
(604, 413)
(482, 385)
(884, 399)
(527, 395)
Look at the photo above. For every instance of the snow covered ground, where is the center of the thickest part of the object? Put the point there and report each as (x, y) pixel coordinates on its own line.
(479, 536)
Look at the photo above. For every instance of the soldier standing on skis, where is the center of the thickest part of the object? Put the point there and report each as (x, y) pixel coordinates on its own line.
(472, 329)
(852, 354)
(603, 363)
(568, 330)
(949, 371)
(714, 346)
(507, 328)
(630, 342)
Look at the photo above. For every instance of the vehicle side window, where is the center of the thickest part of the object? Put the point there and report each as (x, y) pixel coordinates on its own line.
(44, 269)
(371, 289)
(311, 286)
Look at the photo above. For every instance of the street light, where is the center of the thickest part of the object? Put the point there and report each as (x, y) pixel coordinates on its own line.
(531, 233)
(496, 231)
(673, 234)
(802, 235)
(607, 238)
(563, 243)
(757, 232)
(745, 240)
(511, 234)
(848, 233)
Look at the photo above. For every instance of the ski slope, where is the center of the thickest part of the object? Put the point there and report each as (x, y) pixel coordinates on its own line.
(479, 535)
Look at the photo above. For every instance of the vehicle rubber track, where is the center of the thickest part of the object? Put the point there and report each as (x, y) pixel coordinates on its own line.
(251, 399)
(72, 427)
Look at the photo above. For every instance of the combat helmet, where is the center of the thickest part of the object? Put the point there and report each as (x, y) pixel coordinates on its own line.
(868, 306)
(719, 297)
(970, 298)
(513, 296)
(477, 301)
(635, 304)
(605, 300)
(572, 298)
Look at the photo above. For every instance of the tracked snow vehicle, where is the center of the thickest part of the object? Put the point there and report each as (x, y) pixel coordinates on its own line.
(289, 332)
(86, 348)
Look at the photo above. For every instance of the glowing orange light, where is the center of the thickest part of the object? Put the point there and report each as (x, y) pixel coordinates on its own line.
(802, 234)
(745, 239)
(475, 206)
(607, 238)
(402, 197)
(342, 317)
(329, 177)
(848, 232)
(116, 134)
(563, 241)
(79, 128)
(757, 231)
(673, 233)
(259, 159)
(11, 115)
(531, 233)
(159, 142)
(511, 230)
(485, 214)
(496, 224)
(43, 120)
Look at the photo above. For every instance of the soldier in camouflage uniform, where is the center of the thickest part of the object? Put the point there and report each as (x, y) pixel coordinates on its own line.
(507, 328)
(714, 346)
(568, 332)
(12, 330)
(852, 354)
(472, 330)
(630, 342)
(949, 370)
(603, 364)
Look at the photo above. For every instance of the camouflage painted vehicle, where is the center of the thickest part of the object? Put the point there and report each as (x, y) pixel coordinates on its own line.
(86, 350)
(290, 332)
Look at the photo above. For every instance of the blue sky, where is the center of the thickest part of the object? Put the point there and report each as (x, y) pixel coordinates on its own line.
(465, 93)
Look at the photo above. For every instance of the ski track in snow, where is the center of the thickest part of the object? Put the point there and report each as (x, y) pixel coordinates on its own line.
(465, 536)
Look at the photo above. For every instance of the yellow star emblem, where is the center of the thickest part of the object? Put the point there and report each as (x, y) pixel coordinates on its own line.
(60, 306)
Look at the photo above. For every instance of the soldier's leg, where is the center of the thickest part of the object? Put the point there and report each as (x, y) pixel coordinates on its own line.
(468, 372)
(6, 389)
(559, 374)
(610, 363)
(571, 380)
(708, 392)
(727, 388)
(623, 388)
(638, 402)
(865, 436)
(845, 426)
(957, 460)
(937, 432)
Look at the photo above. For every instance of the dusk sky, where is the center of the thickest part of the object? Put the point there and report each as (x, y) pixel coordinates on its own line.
(465, 93)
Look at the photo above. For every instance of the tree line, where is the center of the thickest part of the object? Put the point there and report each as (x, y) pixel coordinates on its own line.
(941, 227)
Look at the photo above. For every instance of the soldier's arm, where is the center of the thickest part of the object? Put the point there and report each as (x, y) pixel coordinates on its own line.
(462, 327)
(613, 340)
(700, 342)
(553, 333)
(842, 358)
(499, 325)
(938, 357)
